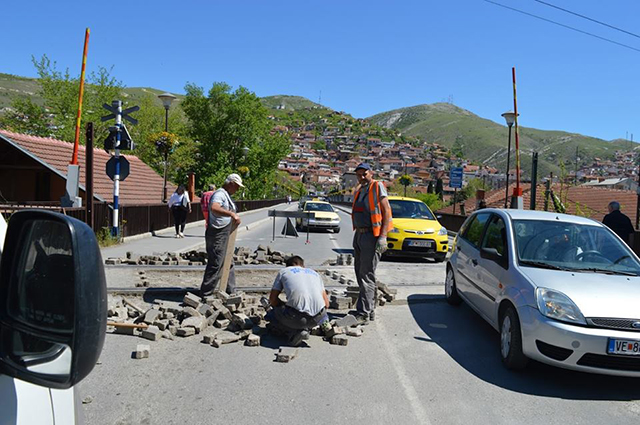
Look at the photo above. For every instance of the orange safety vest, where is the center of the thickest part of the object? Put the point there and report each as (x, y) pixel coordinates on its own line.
(375, 209)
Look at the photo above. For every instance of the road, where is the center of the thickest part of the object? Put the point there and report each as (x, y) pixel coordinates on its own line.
(421, 362)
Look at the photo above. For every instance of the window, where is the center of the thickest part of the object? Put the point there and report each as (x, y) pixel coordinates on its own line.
(496, 236)
(473, 232)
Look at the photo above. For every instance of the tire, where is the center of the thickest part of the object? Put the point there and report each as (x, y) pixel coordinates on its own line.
(511, 341)
(336, 230)
(439, 258)
(450, 289)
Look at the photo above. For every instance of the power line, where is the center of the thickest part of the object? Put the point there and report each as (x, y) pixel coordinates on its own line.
(563, 25)
(587, 18)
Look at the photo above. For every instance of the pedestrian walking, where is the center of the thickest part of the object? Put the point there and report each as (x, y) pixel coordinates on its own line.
(618, 222)
(180, 205)
(306, 304)
(371, 218)
(223, 219)
(204, 203)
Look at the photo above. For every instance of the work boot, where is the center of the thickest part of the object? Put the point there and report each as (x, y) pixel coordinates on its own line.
(362, 318)
(372, 316)
(298, 337)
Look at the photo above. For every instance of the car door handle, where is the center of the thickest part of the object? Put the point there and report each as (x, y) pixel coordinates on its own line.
(475, 262)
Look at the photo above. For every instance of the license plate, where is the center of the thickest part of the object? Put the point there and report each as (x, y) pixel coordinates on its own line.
(624, 347)
(420, 243)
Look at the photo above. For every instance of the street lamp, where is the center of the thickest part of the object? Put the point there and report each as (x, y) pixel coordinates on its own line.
(166, 99)
(510, 118)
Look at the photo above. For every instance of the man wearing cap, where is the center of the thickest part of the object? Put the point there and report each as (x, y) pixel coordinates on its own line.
(222, 220)
(204, 203)
(371, 217)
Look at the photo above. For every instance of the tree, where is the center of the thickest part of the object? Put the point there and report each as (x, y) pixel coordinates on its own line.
(224, 123)
(430, 188)
(406, 180)
(439, 188)
(59, 91)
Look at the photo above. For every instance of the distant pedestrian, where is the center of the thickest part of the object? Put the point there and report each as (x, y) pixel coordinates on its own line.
(371, 217)
(180, 205)
(204, 203)
(223, 219)
(618, 222)
(288, 199)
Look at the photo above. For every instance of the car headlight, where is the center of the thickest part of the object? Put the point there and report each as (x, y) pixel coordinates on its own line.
(394, 230)
(557, 305)
(442, 231)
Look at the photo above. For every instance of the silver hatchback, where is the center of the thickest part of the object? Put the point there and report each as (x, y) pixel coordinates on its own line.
(560, 289)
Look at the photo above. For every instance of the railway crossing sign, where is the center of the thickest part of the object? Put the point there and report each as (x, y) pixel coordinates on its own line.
(124, 167)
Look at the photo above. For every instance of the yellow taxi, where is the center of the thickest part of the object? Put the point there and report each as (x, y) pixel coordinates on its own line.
(416, 231)
(324, 217)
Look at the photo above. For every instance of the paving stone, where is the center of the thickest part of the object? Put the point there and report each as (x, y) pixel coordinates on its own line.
(191, 312)
(286, 354)
(233, 300)
(184, 332)
(198, 323)
(206, 310)
(343, 279)
(327, 272)
(222, 323)
(354, 331)
(335, 275)
(191, 300)
(171, 307)
(142, 351)
(151, 316)
(152, 333)
(252, 341)
(162, 324)
(208, 339)
(339, 340)
(166, 334)
(261, 248)
(222, 296)
(347, 321)
(168, 315)
(173, 329)
(336, 330)
(241, 321)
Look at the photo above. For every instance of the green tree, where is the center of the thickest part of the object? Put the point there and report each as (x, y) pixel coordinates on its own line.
(319, 145)
(224, 123)
(57, 117)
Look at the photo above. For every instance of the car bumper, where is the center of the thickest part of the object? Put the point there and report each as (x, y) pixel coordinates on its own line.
(575, 347)
(402, 248)
(321, 224)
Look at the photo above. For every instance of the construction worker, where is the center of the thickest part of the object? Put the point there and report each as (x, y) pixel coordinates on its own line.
(204, 203)
(371, 217)
(223, 218)
(306, 305)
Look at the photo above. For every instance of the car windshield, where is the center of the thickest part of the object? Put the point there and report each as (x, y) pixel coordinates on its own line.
(572, 246)
(314, 206)
(410, 209)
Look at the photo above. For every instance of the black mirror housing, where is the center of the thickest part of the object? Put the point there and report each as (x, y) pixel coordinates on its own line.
(53, 300)
(492, 254)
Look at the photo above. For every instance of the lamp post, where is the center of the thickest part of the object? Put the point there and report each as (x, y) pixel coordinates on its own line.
(166, 99)
(510, 118)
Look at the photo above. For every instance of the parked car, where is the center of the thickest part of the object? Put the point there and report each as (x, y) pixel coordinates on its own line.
(560, 289)
(325, 217)
(53, 307)
(416, 231)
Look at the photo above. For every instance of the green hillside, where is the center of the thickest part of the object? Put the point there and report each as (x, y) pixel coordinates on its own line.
(485, 141)
(290, 103)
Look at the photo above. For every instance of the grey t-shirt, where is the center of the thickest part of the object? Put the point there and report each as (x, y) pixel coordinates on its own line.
(362, 217)
(303, 288)
(221, 197)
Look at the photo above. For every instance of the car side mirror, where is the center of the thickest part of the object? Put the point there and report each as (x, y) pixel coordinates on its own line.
(438, 216)
(53, 307)
(493, 255)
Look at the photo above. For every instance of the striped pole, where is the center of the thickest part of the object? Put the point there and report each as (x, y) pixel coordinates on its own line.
(116, 178)
(517, 191)
(74, 158)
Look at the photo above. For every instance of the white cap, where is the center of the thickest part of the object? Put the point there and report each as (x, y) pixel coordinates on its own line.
(234, 178)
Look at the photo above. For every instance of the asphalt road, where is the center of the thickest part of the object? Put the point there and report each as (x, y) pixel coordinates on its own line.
(422, 361)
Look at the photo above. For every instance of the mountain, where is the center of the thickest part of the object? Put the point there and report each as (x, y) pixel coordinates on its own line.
(485, 142)
(289, 103)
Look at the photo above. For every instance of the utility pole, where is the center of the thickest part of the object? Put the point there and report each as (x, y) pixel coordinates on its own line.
(534, 180)
(576, 175)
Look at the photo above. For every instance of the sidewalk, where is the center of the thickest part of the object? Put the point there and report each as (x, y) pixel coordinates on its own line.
(165, 241)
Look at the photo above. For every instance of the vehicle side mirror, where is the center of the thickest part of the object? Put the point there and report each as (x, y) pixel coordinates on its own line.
(53, 300)
(493, 255)
(438, 216)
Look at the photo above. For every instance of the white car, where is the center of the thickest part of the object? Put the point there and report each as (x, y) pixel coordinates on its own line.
(49, 339)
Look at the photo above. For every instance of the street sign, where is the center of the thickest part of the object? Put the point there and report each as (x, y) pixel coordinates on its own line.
(125, 139)
(455, 178)
(125, 113)
(124, 167)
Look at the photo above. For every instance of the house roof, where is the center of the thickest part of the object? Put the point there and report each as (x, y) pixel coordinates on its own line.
(142, 186)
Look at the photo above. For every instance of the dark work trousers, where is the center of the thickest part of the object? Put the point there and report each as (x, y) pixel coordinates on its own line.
(179, 218)
(289, 320)
(216, 240)
(366, 260)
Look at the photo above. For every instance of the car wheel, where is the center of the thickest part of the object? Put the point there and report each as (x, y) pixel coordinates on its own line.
(511, 341)
(336, 230)
(439, 258)
(450, 290)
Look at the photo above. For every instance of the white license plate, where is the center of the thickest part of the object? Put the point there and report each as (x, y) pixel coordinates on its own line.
(624, 347)
(420, 243)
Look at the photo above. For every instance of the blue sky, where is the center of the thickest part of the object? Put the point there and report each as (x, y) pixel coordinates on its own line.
(365, 57)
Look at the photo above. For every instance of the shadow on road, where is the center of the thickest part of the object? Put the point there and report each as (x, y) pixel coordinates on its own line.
(474, 345)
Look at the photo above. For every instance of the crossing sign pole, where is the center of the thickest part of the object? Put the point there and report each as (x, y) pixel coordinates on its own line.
(116, 178)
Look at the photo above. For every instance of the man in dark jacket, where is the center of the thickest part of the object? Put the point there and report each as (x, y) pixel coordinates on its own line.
(618, 222)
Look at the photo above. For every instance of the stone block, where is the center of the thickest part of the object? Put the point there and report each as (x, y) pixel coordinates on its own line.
(190, 312)
(208, 339)
(162, 324)
(151, 316)
(222, 323)
(152, 333)
(286, 354)
(173, 329)
(339, 340)
(335, 275)
(357, 331)
(347, 321)
(381, 302)
(171, 307)
(235, 300)
(336, 330)
(166, 334)
(241, 321)
(252, 341)
(343, 279)
(206, 310)
(214, 316)
(142, 351)
(198, 323)
(185, 332)
(261, 248)
(191, 300)
(327, 272)
(222, 296)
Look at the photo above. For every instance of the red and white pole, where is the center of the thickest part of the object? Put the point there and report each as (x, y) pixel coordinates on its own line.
(517, 191)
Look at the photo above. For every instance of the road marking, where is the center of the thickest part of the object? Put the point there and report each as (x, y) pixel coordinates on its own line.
(409, 390)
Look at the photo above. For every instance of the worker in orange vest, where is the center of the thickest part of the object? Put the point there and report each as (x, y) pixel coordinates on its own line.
(371, 218)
